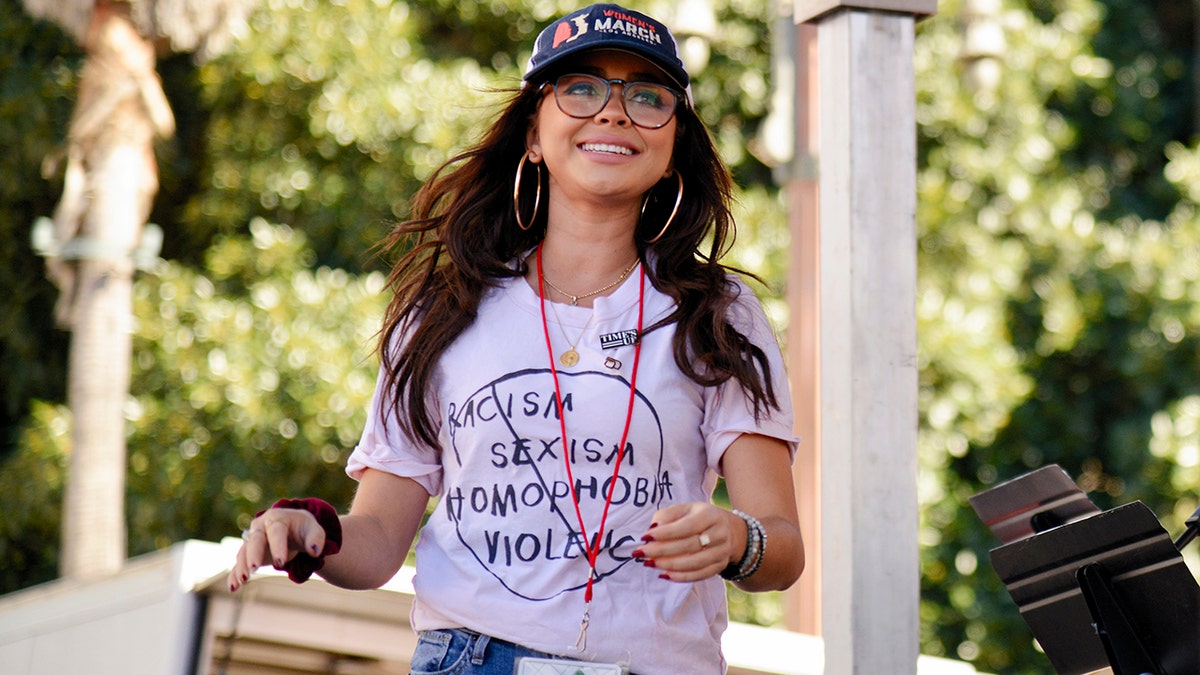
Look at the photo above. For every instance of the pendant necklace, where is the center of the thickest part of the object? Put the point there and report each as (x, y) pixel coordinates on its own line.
(593, 544)
(570, 357)
(576, 298)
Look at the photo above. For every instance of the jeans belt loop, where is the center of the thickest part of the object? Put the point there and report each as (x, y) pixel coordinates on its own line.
(479, 651)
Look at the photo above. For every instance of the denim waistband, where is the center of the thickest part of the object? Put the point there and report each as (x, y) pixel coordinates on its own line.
(484, 653)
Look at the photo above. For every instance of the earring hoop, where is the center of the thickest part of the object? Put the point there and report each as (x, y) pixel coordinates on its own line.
(537, 197)
(674, 209)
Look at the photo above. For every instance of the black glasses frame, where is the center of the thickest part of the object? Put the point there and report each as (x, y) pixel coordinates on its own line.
(625, 88)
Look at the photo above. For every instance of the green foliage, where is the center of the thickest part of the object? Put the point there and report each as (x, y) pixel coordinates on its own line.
(33, 114)
(31, 494)
(329, 115)
(1129, 116)
(251, 383)
(327, 119)
(1056, 315)
(762, 248)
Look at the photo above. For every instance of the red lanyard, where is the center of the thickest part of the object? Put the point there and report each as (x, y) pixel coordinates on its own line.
(593, 548)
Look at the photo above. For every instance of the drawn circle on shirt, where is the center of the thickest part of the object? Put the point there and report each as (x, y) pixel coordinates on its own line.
(513, 510)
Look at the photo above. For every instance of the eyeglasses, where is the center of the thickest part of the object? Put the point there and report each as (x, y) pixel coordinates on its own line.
(647, 104)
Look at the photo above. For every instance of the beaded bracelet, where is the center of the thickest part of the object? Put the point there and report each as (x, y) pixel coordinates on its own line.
(756, 549)
(762, 550)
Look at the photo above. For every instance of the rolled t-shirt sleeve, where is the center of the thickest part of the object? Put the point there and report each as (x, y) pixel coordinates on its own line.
(384, 446)
(729, 412)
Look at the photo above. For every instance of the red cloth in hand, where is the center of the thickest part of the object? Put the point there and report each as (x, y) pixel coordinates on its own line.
(302, 566)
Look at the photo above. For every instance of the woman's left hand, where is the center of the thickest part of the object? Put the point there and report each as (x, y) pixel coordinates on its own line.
(692, 541)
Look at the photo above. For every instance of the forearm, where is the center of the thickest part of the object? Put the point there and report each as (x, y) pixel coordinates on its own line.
(758, 476)
(368, 558)
(378, 532)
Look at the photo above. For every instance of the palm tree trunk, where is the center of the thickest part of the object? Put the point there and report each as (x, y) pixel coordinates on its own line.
(117, 117)
(94, 534)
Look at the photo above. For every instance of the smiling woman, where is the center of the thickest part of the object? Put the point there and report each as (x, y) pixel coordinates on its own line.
(624, 369)
(604, 162)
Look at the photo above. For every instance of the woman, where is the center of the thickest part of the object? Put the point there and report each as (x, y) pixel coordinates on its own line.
(568, 368)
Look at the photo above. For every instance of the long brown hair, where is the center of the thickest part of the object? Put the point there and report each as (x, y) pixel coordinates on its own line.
(463, 238)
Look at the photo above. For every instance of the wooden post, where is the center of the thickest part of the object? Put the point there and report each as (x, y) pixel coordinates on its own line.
(802, 602)
(867, 331)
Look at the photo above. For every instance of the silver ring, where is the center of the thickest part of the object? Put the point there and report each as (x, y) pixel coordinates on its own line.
(704, 540)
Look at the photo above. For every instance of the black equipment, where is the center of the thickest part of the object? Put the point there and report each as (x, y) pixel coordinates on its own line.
(1098, 589)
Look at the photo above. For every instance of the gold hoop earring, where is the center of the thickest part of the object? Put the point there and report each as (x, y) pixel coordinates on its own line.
(674, 209)
(537, 196)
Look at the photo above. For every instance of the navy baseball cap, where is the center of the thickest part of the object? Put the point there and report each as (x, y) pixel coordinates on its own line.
(607, 26)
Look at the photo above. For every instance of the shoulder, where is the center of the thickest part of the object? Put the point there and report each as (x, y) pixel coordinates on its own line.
(747, 314)
(738, 286)
(744, 301)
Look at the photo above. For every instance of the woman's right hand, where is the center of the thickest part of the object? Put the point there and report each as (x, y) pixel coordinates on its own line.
(276, 535)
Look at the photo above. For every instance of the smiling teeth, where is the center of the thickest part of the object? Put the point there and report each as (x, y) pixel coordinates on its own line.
(604, 147)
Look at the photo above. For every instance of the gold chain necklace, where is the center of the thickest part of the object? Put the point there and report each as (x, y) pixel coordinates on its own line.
(570, 357)
(576, 298)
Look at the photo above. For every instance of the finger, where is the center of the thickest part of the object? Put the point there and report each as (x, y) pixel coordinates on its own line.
(688, 567)
(700, 574)
(688, 553)
(278, 537)
(248, 558)
(313, 537)
(667, 525)
(696, 543)
(669, 514)
(691, 555)
(254, 548)
(238, 574)
(684, 522)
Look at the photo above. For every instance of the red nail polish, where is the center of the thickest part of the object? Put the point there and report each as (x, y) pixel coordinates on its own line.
(647, 538)
(649, 563)
(652, 526)
(665, 576)
(639, 553)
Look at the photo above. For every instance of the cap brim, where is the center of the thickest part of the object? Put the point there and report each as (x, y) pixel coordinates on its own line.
(646, 53)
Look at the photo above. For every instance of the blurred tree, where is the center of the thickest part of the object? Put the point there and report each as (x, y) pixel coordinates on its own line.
(250, 383)
(110, 182)
(34, 110)
(1056, 314)
(332, 115)
(261, 371)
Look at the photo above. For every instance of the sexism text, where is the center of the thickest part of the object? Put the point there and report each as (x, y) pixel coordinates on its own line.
(526, 505)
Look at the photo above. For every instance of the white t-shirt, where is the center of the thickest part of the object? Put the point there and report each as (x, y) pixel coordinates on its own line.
(501, 553)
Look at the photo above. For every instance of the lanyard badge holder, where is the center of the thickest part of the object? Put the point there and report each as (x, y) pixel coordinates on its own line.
(543, 666)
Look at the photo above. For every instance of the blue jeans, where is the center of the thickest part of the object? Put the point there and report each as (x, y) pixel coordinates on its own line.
(458, 651)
